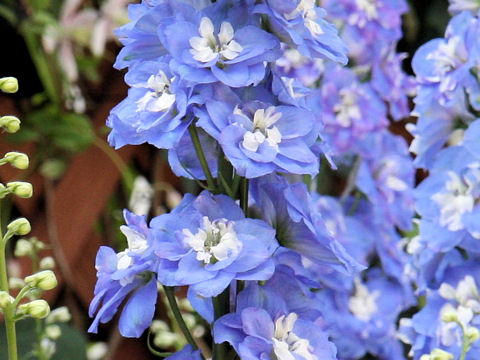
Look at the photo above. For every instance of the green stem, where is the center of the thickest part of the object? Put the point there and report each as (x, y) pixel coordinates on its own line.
(244, 196)
(221, 306)
(9, 312)
(192, 129)
(169, 292)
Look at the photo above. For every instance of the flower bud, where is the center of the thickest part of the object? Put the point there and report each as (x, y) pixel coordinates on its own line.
(47, 263)
(9, 84)
(38, 309)
(44, 280)
(10, 123)
(20, 226)
(5, 299)
(22, 189)
(15, 283)
(61, 314)
(53, 332)
(439, 354)
(23, 247)
(97, 351)
(450, 316)
(472, 334)
(17, 159)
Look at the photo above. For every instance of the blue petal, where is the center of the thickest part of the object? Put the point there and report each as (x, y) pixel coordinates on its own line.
(137, 314)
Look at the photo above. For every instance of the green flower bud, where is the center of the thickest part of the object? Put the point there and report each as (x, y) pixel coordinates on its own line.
(425, 357)
(44, 280)
(5, 299)
(472, 334)
(15, 283)
(61, 314)
(17, 159)
(439, 354)
(97, 351)
(20, 226)
(3, 191)
(10, 123)
(9, 84)
(47, 263)
(53, 332)
(450, 316)
(23, 247)
(22, 189)
(38, 309)
(165, 339)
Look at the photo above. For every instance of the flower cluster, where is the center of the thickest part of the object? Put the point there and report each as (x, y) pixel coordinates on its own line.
(255, 101)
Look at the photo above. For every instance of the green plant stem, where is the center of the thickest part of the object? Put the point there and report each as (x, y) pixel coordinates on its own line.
(221, 306)
(244, 196)
(192, 129)
(9, 312)
(169, 292)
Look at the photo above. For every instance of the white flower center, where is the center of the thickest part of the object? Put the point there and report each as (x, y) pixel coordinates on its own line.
(137, 244)
(363, 304)
(369, 8)
(286, 343)
(347, 111)
(159, 97)
(264, 129)
(206, 47)
(307, 9)
(458, 198)
(217, 239)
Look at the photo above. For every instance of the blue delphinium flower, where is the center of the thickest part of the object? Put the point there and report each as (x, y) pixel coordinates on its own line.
(212, 245)
(448, 199)
(302, 25)
(123, 273)
(154, 110)
(451, 312)
(351, 109)
(291, 211)
(214, 45)
(263, 138)
(386, 176)
(361, 317)
(263, 327)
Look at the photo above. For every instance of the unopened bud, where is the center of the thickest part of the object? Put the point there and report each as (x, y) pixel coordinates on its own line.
(5, 299)
(472, 334)
(53, 332)
(17, 159)
(15, 283)
(165, 339)
(22, 189)
(38, 309)
(9, 84)
(61, 314)
(23, 247)
(10, 123)
(439, 354)
(47, 263)
(450, 316)
(44, 280)
(20, 226)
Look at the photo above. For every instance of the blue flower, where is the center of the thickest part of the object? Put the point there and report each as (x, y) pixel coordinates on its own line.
(213, 45)
(290, 209)
(263, 138)
(450, 310)
(263, 327)
(302, 25)
(206, 242)
(361, 318)
(154, 110)
(119, 274)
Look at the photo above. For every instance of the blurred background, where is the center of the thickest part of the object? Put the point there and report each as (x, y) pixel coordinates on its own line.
(62, 54)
